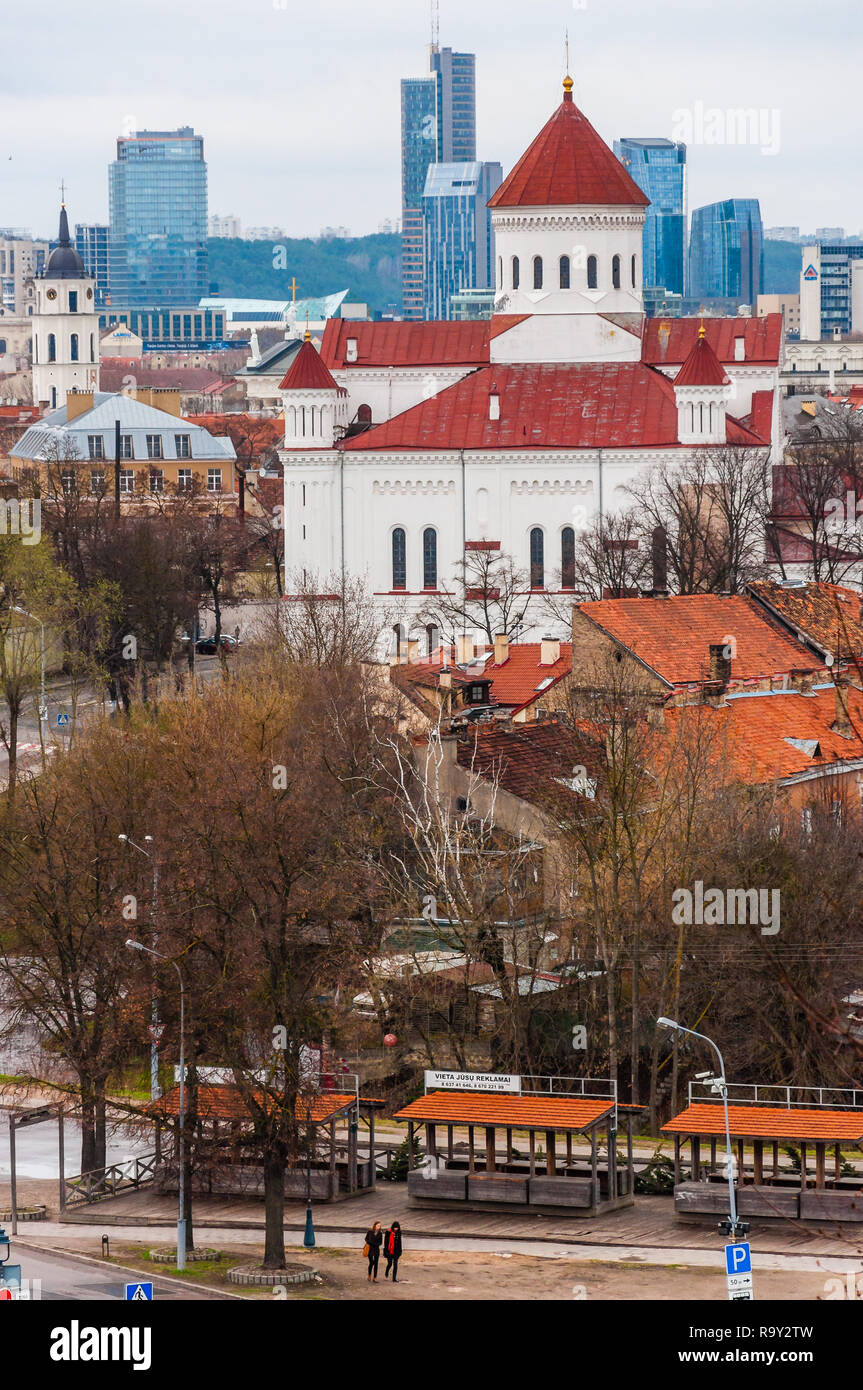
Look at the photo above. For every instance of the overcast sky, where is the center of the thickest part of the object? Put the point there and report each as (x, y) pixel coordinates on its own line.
(298, 102)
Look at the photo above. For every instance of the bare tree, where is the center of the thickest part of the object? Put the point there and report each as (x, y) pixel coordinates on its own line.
(488, 595)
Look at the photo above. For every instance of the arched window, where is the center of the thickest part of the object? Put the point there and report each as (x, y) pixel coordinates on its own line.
(2, 344)
(564, 272)
(400, 572)
(364, 415)
(429, 558)
(92, 348)
(73, 347)
(567, 558)
(633, 272)
(432, 638)
(516, 274)
(592, 273)
(500, 272)
(52, 348)
(537, 558)
(615, 272)
(537, 272)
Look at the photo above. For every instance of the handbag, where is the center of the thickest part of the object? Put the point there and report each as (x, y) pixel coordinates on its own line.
(366, 1251)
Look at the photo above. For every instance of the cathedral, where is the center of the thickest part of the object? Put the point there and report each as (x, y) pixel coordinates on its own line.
(409, 444)
(65, 326)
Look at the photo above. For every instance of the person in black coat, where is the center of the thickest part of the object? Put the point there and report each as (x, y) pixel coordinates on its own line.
(393, 1250)
(374, 1238)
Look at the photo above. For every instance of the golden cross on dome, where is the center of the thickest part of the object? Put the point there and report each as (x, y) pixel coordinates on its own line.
(567, 52)
(293, 289)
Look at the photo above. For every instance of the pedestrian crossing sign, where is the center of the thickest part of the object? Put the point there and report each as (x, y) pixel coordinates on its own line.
(139, 1293)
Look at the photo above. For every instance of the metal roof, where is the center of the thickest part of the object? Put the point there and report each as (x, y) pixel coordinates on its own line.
(136, 419)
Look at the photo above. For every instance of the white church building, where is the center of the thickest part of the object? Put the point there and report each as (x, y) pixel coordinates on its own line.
(65, 326)
(408, 443)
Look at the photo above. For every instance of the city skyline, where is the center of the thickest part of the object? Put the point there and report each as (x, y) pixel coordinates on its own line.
(332, 170)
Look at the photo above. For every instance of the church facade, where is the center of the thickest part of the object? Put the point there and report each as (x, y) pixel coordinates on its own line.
(65, 326)
(407, 444)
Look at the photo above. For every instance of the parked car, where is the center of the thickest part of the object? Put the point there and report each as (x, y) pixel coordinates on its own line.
(206, 646)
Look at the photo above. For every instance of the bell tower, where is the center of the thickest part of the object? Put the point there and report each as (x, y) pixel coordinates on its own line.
(65, 325)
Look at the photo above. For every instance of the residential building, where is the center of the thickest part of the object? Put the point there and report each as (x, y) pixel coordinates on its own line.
(91, 243)
(726, 258)
(438, 125)
(158, 215)
(659, 168)
(781, 233)
(229, 227)
(160, 452)
(334, 234)
(457, 233)
(831, 290)
(20, 259)
(788, 305)
(65, 325)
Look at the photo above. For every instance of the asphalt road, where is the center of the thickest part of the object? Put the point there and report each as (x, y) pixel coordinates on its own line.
(65, 1279)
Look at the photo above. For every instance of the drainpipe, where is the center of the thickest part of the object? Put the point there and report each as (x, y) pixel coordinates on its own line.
(342, 512)
(463, 539)
(601, 502)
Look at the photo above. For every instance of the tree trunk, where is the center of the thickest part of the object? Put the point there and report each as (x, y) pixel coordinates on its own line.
(88, 1128)
(13, 749)
(274, 1208)
(100, 1144)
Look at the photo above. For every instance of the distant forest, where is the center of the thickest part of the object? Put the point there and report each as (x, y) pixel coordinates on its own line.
(781, 267)
(368, 267)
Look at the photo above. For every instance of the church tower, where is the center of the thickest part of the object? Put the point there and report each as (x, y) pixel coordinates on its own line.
(65, 325)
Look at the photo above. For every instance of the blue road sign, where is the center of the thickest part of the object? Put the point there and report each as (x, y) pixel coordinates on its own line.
(139, 1293)
(62, 721)
(738, 1259)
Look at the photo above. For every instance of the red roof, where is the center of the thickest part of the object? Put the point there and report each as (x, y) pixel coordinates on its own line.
(568, 165)
(514, 681)
(523, 757)
(406, 344)
(544, 405)
(670, 341)
(769, 1122)
(673, 635)
(307, 372)
(702, 367)
(226, 1102)
(520, 1112)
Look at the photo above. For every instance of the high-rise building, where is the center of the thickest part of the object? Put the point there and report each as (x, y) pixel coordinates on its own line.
(20, 259)
(781, 233)
(91, 243)
(229, 226)
(457, 234)
(158, 216)
(658, 166)
(726, 256)
(831, 290)
(438, 126)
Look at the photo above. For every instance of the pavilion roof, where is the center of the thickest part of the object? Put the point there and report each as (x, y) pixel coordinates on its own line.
(575, 1113)
(769, 1122)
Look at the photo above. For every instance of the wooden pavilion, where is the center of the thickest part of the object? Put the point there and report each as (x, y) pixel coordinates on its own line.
(770, 1184)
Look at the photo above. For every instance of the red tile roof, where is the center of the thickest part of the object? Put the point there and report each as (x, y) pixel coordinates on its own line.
(226, 1103)
(754, 733)
(670, 341)
(568, 165)
(521, 1112)
(769, 1122)
(523, 757)
(673, 635)
(514, 681)
(702, 367)
(307, 372)
(831, 614)
(406, 344)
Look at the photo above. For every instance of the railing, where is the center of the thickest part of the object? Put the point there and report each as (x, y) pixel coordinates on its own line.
(107, 1182)
(602, 1087)
(810, 1097)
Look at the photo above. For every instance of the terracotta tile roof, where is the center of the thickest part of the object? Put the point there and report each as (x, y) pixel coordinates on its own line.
(568, 165)
(521, 1112)
(768, 736)
(406, 344)
(702, 367)
(769, 1122)
(226, 1103)
(524, 757)
(673, 635)
(670, 341)
(307, 372)
(831, 614)
(514, 681)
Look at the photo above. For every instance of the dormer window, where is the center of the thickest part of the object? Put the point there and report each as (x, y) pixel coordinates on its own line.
(351, 352)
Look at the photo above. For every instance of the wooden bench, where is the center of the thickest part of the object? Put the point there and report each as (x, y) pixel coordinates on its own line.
(825, 1205)
(562, 1192)
(445, 1185)
(497, 1187)
(709, 1199)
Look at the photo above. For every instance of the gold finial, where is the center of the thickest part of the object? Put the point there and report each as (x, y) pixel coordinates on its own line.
(308, 336)
(568, 83)
(702, 332)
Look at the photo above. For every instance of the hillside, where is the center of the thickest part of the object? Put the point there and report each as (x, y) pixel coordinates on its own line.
(369, 268)
(781, 267)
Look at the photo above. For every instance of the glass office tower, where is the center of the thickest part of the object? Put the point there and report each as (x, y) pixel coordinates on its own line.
(91, 243)
(158, 216)
(457, 233)
(659, 168)
(726, 257)
(438, 126)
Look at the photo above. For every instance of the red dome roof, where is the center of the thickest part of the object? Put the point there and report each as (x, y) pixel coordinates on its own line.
(702, 367)
(308, 373)
(568, 165)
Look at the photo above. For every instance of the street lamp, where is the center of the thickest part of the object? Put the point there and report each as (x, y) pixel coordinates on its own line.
(309, 1237)
(155, 1030)
(181, 1220)
(733, 1227)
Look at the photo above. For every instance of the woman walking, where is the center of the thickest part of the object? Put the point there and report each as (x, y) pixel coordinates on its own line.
(393, 1250)
(374, 1239)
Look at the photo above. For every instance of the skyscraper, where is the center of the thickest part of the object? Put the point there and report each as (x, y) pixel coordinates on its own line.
(91, 243)
(158, 216)
(457, 232)
(659, 168)
(726, 258)
(438, 125)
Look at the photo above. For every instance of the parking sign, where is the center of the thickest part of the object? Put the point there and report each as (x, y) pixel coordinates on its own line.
(738, 1259)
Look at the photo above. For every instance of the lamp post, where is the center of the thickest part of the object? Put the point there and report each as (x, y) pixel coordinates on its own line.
(309, 1237)
(181, 1220)
(733, 1227)
(155, 1089)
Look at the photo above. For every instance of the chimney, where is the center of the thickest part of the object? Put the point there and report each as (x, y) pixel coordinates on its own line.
(740, 349)
(842, 723)
(549, 651)
(78, 403)
(463, 650)
(493, 404)
(720, 664)
(501, 648)
(659, 558)
(445, 680)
